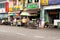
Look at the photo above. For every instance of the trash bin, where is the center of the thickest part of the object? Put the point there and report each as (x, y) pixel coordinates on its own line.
(58, 24)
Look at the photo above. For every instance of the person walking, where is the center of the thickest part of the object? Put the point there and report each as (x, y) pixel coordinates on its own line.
(24, 21)
(3, 21)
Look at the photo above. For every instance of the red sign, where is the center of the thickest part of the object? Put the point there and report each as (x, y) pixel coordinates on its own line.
(6, 6)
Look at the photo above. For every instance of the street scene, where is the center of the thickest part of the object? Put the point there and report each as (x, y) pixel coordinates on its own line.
(29, 20)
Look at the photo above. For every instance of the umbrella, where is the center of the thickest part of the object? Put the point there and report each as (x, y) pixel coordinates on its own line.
(25, 14)
(11, 14)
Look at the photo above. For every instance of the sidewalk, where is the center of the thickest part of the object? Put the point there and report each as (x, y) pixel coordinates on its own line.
(16, 28)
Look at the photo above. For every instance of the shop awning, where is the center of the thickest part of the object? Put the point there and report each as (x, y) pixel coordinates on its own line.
(11, 14)
(33, 14)
(25, 14)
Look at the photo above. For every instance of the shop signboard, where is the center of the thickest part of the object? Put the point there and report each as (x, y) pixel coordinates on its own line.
(10, 9)
(52, 2)
(15, 8)
(32, 6)
(6, 6)
(44, 2)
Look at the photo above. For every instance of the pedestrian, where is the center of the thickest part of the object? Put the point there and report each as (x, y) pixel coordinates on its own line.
(24, 21)
(3, 21)
(14, 21)
(28, 21)
(11, 22)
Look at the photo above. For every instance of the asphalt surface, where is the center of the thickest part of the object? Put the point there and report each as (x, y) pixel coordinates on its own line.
(21, 33)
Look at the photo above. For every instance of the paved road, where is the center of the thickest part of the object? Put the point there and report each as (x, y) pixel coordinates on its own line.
(20, 33)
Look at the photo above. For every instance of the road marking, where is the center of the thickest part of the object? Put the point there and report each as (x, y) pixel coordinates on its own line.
(39, 36)
(21, 34)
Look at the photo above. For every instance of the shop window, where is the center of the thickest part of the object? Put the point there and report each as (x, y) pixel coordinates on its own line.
(36, 0)
(30, 1)
(2, 5)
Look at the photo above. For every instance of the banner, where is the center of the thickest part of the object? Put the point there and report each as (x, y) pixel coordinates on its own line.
(7, 7)
(32, 6)
(10, 9)
(52, 2)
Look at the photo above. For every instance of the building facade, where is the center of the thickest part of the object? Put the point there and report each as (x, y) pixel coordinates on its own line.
(3, 9)
(15, 7)
(47, 10)
(51, 11)
(33, 8)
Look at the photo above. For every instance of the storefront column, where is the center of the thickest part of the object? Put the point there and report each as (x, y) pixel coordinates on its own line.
(42, 18)
(47, 17)
(59, 15)
(26, 2)
(17, 3)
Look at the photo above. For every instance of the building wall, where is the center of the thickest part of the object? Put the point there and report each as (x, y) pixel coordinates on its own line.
(16, 4)
(3, 13)
(52, 7)
(2, 7)
(2, 0)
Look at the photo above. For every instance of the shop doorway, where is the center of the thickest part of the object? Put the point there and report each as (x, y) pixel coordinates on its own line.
(52, 15)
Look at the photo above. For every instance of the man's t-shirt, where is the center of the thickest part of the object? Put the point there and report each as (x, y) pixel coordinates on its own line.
(24, 20)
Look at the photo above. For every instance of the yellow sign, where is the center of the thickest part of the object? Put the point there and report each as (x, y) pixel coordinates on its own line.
(17, 6)
(10, 9)
(44, 2)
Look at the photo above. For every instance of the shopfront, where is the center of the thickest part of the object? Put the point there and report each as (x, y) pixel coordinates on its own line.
(34, 11)
(53, 10)
(34, 14)
(50, 10)
(3, 15)
(12, 17)
(51, 15)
